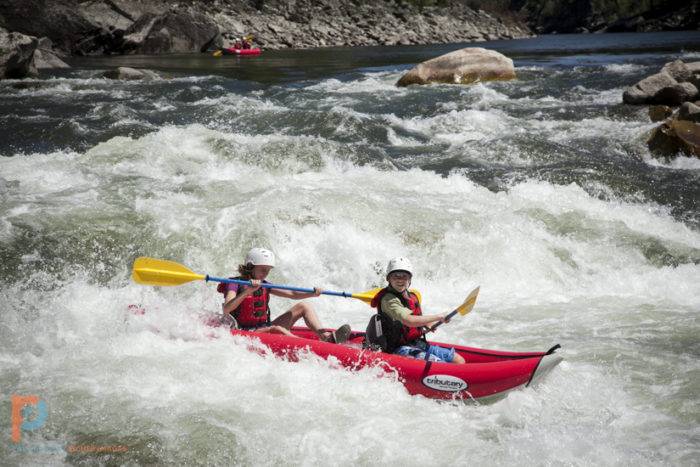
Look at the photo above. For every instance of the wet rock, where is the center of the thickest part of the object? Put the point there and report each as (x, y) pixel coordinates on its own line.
(677, 82)
(663, 142)
(677, 70)
(690, 112)
(644, 91)
(464, 66)
(17, 55)
(689, 134)
(130, 74)
(694, 68)
(658, 113)
(674, 137)
(675, 94)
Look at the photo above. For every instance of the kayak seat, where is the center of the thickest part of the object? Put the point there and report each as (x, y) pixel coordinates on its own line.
(374, 337)
(340, 335)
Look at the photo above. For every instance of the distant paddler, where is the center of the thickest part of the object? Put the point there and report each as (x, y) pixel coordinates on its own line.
(240, 46)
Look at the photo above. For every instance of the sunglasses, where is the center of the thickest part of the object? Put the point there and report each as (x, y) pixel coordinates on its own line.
(400, 276)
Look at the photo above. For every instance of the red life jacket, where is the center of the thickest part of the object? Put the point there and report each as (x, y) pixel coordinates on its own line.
(254, 310)
(397, 333)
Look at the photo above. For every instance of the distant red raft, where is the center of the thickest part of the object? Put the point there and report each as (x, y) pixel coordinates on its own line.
(487, 373)
(232, 51)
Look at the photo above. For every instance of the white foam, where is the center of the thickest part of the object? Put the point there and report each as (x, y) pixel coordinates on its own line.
(456, 126)
(382, 83)
(624, 68)
(678, 163)
(614, 280)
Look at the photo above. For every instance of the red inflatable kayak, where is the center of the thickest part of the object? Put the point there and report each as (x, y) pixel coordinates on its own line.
(232, 51)
(487, 373)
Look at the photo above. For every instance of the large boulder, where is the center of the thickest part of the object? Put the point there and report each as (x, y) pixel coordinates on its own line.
(77, 27)
(675, 136)
(126, 73)
(658, 113)
(689, 134)
(61, 21)
(171, 32)
(644, 91)
(464, 66)
(17, 55)
(46, 57)
(677, 82)
(689, 111)
(675, 95)
(678, 70)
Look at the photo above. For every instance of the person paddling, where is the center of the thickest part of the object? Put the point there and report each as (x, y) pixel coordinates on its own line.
(249, 305)
(247, 42)
(398, 325)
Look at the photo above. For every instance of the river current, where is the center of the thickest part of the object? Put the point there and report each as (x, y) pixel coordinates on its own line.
(541, 190)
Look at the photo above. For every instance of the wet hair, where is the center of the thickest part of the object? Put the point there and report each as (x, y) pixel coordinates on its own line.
(246, 270)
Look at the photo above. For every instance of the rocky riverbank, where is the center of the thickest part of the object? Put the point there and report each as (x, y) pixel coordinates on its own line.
(134, 26)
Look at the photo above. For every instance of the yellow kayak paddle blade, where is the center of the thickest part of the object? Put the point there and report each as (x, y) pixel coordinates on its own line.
(366, 296)
(469, 302)
(160, 272)
(218, 53)
(369, 295)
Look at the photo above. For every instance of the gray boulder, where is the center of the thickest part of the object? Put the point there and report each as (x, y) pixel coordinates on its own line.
(171, 32)
(694, 68)
(17, 55)
(689, 112)
(675, 95)
(677, 70)
(644, 91)
(130, 74)
(62, 21)
(658, 113)
(46, 57)
(465, 66)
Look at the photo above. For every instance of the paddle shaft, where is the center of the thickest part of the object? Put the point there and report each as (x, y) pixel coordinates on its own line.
(268, 285)
(447, 318)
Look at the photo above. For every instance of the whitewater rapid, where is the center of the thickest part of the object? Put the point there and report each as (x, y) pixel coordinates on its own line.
(510, 186)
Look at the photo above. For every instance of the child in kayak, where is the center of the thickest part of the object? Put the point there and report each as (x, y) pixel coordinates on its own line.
(398, 325)
(249, 306)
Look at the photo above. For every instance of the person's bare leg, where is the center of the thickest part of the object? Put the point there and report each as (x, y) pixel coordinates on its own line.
(275, 330)
(298, 311)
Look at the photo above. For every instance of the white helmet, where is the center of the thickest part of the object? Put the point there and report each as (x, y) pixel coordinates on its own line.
(399, 264)
(260, 257)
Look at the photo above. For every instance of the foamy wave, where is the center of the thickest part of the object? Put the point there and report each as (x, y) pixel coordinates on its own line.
(678, 163)
(624, 68)
(455, 127)
(68, 89)
(384, 82)
(690, 56)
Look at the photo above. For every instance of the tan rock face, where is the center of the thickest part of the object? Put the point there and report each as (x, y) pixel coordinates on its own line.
(675, 136)
(464, 66)
(689, 134)
(658, 113)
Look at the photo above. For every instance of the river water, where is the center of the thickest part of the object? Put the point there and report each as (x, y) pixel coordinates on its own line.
(540, 190)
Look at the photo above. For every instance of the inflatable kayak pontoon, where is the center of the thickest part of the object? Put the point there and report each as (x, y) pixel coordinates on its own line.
(487, 373)
(232, 51)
